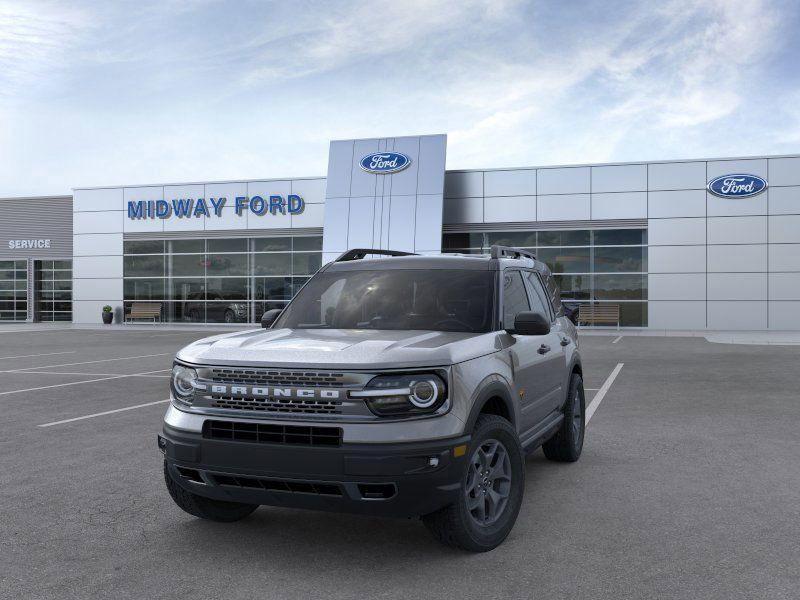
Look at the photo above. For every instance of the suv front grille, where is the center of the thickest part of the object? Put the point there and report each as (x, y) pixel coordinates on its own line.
(265, 377)
(283, 405)
(267, 433)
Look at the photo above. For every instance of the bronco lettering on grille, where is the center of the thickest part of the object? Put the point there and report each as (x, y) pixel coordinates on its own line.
(274, 392)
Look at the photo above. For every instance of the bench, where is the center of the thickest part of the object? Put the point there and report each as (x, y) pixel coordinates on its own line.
(144, 310)
(594, 314)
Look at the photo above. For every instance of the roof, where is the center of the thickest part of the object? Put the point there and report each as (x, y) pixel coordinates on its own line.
(476, 262)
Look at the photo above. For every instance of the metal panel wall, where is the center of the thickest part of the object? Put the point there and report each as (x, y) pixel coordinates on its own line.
(402, 210)
(47, 218)
(714, 262)
(101, 222)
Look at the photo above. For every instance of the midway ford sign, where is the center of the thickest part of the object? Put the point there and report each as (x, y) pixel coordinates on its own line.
(187, 208)
(737, 186)
(384, 163)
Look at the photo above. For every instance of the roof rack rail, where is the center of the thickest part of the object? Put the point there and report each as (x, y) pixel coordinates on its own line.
(509, 252)
(359, 253)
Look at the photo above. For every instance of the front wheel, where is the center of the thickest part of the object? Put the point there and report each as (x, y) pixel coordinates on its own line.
(566, 445)
(206, 508)
(491, 490)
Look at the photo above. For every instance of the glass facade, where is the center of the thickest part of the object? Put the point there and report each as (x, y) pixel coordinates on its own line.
(13, 290)
(590, 266)
(218, 280)
(53, 290)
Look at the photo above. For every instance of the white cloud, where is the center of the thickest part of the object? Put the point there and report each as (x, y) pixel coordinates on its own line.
(34, 38)
(106, 93)
(679, 65)
(346, 33)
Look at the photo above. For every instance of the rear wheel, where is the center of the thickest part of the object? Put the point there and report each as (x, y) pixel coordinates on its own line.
(567, 444)
(206, 508)
(491, 490)
(229, 316)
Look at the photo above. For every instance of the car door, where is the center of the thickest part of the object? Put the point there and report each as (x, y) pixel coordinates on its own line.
(556, 361)
(529, 361)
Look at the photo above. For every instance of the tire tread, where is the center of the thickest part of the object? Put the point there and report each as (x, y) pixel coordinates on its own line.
(447, 524)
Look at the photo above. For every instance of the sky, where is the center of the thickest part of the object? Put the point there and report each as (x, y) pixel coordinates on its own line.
(109, 93)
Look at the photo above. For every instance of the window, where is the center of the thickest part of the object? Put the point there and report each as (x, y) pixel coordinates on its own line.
(566, 260)
(588, 265)
(53, 290)
(539, 301)
(218, 279)
(515, 298)
(433, 300)
(13, 290)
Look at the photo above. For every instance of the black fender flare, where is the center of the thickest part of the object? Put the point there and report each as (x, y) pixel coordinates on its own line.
(494, 387)
(575, 367)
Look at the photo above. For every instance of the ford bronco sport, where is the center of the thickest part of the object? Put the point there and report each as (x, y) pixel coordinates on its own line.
(408, 386)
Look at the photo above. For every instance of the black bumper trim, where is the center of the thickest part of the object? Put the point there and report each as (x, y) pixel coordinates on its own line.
(398, 479)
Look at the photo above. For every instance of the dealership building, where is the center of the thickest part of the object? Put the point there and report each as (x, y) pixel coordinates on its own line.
(683, 244)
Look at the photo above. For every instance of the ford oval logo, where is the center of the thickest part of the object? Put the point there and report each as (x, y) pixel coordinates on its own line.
(384, 163)
(737, 186)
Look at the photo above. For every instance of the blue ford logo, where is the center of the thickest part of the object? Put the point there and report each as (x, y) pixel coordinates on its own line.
(384, 163)
(736, 186)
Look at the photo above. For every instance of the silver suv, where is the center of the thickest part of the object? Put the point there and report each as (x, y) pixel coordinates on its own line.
(407, 385)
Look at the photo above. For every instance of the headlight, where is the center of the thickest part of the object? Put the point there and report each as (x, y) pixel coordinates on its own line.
(183, 383)
(408, 394)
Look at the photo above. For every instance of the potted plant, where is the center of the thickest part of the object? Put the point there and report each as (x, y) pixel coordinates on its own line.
(108, 314)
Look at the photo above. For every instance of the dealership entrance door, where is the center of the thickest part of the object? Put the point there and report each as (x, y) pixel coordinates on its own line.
(52, 290)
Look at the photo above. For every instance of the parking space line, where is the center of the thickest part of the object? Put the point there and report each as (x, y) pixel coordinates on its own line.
(47, 387)
(100, 414)
(90, 374)
(598, 397)
(35, 355)
(89, 362)
(48, 330)
(616, 340)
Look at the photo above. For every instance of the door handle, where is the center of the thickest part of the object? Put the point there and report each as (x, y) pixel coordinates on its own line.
(543, 349)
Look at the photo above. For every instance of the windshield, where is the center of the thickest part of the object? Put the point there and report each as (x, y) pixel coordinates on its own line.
(437, 300)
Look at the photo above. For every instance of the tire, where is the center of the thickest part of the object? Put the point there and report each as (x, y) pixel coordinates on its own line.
(206, 508)
(230, 317)
(457, 525)
(566, 445)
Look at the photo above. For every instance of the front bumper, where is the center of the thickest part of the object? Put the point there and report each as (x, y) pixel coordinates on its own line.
(398, 479)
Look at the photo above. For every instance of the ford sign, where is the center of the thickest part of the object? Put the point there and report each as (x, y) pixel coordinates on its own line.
(384, 163)
(736, 186)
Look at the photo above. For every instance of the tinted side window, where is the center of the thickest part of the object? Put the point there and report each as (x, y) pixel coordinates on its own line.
(515, 298)
(539, 301)
(553, 292)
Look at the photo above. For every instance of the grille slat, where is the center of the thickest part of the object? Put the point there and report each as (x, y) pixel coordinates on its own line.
(279, 485)
(284, 405)
(277, 378)
(268, 433)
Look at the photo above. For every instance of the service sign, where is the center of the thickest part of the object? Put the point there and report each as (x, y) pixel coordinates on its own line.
(193, 208)
(384, 163)
(37, 244)
(737, 186)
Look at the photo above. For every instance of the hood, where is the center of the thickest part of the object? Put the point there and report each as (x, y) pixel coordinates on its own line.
(339, 348)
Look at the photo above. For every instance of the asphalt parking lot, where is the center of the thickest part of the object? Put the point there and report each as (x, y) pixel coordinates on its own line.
(687, 488)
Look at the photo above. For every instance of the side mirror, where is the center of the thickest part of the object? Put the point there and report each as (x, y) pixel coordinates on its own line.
(268, 318)
(531, 323)
(571, 312)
